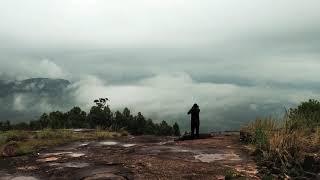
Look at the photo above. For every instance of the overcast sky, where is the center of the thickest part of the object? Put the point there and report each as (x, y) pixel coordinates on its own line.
(237, 59)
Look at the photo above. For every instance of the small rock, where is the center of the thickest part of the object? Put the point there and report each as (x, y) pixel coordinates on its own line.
(10, 149)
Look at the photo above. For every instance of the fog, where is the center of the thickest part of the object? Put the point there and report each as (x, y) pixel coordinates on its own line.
(237, 60)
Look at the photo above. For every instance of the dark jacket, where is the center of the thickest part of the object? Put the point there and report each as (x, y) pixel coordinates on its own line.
(194, 111)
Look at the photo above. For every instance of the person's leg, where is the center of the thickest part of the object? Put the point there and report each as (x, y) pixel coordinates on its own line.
(197, 128)
(192, 129)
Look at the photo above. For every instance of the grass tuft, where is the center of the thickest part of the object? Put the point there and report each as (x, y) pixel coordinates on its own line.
(282, 146)
(52, 134)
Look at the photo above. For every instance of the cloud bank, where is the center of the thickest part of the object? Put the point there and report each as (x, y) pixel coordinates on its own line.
(238, 60)
(169, 97)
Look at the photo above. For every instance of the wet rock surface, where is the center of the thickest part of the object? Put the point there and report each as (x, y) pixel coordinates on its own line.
(142, 157)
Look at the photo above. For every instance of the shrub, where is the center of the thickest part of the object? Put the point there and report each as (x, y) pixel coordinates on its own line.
(265, 124)
(261, 138)
(176, 129)
(100, 134)
(307, 114)
(231, 174)
(15, 135)
(3, 139)
(52, 134)
(24, 149)
(283, 148)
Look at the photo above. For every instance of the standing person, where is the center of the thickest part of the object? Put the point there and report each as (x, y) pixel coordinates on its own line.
(195, 121)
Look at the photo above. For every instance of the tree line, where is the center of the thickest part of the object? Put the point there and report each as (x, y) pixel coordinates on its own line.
(99, 116)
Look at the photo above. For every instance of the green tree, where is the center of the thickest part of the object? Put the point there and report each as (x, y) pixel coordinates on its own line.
(165, 129)
(57, 120)
(118, 121)
(44, 121)
(76, 118)
(97, 117)
(306, 114)
(5, 126)
(100, 115)
(150, 127)
(21, 126)
(34, 125)
(128, 119)
(176, 129)
(140, 123)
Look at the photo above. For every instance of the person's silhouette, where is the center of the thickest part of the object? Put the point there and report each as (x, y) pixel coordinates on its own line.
(195, 121)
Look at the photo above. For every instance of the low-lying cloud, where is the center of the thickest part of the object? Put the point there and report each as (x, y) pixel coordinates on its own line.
(169, 97)
(224, 106)
(238, 60)
(30, 68)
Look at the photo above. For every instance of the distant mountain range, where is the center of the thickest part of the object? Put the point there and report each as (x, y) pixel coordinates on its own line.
(27, 99)
(34, 85)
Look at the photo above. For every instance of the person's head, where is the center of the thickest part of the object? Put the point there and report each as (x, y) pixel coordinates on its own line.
(195, 105)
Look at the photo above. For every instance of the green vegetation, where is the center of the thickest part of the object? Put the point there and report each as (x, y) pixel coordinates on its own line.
(100, 116)
(233, 175)
(176, 129)
(54, 128)
(306, 115)
(289, 146)
(25, 142)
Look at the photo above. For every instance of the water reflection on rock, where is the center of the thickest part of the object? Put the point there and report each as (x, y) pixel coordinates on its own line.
(109, 143)
(217, 157)
(128, 145)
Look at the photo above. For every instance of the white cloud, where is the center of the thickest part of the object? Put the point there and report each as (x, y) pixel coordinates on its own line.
(50, 69)
(22, 69)
(18, 103)
(165, 23)
(170, 96)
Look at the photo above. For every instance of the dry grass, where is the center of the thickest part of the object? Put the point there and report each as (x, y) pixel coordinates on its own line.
(31, 141)
(266, 124)
(100, 134)
(285, 147)
(54, 134)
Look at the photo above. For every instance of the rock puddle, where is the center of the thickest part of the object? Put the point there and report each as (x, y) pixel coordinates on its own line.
(50, 157)
(109, 143)
(114, 143)
(70, 165)
(208, 158)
